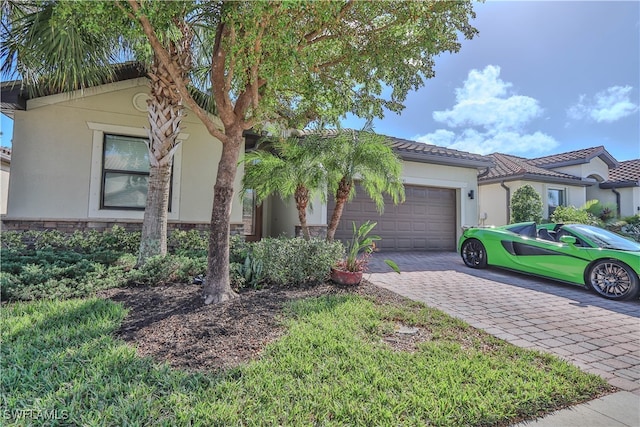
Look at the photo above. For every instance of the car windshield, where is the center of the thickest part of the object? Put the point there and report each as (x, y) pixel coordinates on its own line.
(603, 238)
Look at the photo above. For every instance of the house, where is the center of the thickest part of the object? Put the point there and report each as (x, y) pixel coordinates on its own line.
(5, 169)
(79, 163)
(564, 179)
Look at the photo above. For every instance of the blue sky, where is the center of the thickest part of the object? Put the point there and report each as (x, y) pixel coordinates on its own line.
(541, 78)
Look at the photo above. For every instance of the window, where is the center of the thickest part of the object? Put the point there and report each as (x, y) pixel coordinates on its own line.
(555, 198)
(125, 172)
(249, 211)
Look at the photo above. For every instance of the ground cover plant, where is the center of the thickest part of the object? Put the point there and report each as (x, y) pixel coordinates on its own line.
(303, 354)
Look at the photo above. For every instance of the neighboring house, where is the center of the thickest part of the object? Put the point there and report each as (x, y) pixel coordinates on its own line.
(571, 178)
(5, 167)
(623, 188)
(79, 163)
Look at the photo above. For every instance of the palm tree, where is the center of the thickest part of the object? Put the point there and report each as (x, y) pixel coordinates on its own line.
(291, 169)
(49, 58)
(365, 157)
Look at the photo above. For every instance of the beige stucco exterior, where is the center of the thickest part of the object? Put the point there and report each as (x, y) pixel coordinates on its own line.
(493, 199)
(5, 169)
(595, 168)
(57, 155)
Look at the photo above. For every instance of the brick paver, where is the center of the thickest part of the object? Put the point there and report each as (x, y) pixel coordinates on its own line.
(596, 334)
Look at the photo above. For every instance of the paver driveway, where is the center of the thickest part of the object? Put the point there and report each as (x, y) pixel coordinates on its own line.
(598, 335)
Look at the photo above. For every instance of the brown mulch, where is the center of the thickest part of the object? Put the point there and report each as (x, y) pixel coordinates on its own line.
(171, 323)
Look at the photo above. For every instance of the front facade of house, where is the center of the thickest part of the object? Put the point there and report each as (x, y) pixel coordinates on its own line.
(566, 179)
(78, 162)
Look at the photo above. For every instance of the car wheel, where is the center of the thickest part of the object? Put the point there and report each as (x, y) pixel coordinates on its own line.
(474, 254)
(613, 280)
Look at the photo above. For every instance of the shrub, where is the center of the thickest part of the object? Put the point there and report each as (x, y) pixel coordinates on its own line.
(167, 269)
(12, 240)
(605, 212)
(282, 261)
(628, 226)
(188, 243)
(50, 273)
(526, 205)
(569, 214)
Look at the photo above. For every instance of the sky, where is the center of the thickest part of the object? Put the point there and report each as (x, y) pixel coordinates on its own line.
(540, 78)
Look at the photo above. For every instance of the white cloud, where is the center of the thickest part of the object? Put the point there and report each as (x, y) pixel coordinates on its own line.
(491, 117)
(607, 106)
(491, 142)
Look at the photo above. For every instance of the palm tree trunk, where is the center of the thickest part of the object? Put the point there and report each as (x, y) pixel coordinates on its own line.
(342, 195)
(165, 117)
(154, 224)
(217, 286)
(302, 200)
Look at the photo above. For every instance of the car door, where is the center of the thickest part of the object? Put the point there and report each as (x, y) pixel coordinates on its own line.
(557, 260)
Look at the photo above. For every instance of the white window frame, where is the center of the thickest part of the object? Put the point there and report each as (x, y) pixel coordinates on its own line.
(95, 185)
(564, 202)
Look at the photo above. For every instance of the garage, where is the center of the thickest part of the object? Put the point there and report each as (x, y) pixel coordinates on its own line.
(425, 221)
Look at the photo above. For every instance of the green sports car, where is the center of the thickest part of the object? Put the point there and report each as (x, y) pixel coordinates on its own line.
(580, 254)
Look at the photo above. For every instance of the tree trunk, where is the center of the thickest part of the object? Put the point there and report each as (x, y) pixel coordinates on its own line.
(165, 113)
(217, 286)
(302, 200)
(342, 195)
(154, 226)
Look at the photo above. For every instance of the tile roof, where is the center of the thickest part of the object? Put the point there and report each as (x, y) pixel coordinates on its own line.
(513, 167)
(575, 157)
(422, 152)
(418, 151)
(626, 174)
(412, 150)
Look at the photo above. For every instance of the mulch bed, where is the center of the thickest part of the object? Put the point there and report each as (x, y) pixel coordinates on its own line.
(171, 323)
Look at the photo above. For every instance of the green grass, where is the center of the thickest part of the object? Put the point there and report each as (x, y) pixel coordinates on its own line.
(331, 368)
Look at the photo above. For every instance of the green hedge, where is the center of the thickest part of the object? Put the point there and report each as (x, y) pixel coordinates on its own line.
(52, 265)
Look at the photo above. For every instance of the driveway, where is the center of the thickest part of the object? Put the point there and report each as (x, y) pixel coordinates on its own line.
(597, 335)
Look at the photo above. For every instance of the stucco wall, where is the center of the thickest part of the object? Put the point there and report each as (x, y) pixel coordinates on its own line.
(57, 145)
(629, 201)
(493, 199)
(595, 167)
(4, 187)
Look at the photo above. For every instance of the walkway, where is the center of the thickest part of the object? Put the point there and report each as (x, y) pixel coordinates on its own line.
(595, 334)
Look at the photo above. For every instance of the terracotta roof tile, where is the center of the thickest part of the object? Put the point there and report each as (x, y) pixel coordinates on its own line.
(508, 166)
(628, 170)
(422, 152)
(575, 157)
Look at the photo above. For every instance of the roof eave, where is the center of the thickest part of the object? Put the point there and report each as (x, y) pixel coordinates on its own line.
(619, 184)
(604, 156)
(536, 178)
(445, 161)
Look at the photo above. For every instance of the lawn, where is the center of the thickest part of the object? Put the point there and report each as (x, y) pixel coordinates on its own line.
(337, 359)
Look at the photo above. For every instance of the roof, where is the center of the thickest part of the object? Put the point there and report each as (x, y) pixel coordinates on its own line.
(429, 153)
(509, 168)
(627, 174)
(14, 94)
(575, 158)
(421, 152)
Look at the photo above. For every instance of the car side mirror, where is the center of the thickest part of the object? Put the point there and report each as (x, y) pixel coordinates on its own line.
(568, 239)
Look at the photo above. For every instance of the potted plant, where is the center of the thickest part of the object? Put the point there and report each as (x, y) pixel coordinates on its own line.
(349, 270)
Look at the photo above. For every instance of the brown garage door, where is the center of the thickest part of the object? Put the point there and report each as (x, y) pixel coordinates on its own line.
(425, 221)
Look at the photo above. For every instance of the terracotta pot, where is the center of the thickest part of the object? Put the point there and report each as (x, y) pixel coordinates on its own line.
(342, 277)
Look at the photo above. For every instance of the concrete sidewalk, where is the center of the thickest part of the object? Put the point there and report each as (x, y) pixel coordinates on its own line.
(595, 334)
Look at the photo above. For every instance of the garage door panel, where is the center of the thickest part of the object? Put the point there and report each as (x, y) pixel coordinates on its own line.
(425, 221)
